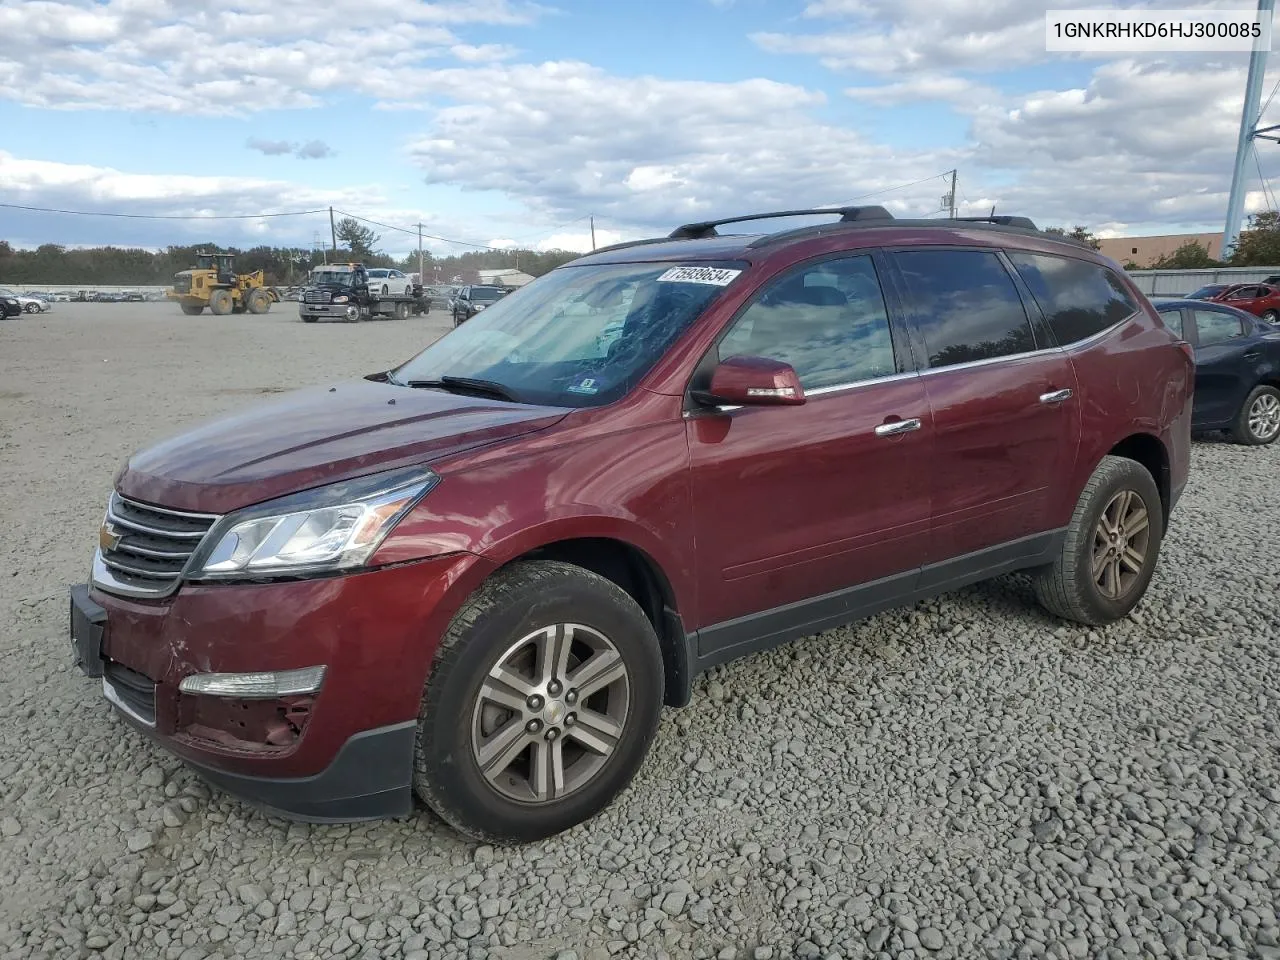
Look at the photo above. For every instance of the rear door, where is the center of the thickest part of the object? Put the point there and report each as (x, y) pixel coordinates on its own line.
(1249, 299)
(1006, 423)
(1223, 364)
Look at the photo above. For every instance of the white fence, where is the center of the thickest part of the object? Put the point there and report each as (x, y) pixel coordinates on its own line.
(1173, 283)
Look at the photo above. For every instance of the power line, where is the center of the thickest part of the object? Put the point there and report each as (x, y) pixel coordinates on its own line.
(160, 216)
(1270, 97)
(414, 232)
(543, 233)
(1266, 187)
(901, 186)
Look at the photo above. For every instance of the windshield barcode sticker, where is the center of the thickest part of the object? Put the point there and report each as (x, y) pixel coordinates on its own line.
(715, 276)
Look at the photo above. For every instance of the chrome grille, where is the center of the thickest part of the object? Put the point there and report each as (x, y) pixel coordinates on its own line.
(317, 296)
(144, 549)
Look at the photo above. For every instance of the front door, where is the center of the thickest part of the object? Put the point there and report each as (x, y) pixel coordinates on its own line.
(793, 503)
(1005, 411)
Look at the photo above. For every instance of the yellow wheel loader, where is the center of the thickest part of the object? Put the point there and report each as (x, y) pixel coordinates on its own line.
(213, 283)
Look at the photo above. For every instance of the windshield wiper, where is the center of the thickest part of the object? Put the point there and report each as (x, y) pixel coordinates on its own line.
(489, 388)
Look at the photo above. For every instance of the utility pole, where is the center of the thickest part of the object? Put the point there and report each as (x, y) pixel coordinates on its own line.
(421, 276)
(1248, 125)
(593, 233)
(333, 231)
(952, 194)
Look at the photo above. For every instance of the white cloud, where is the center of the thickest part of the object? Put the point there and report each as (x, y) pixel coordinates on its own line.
(925, 86)
(237, 56)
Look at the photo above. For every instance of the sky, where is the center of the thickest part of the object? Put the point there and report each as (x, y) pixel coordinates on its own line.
(506, 122)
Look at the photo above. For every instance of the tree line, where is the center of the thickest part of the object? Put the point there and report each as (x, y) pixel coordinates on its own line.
(1258, 246)
(52, 263)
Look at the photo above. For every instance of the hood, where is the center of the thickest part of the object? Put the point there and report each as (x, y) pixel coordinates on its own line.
(315, 436)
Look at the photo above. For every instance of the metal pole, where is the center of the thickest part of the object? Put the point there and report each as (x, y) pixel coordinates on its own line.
(1248, 120)
(421, 277)
(333, 231)
(953, 194)
(593, 233)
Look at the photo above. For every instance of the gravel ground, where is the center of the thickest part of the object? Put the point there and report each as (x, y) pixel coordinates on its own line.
(965, 778)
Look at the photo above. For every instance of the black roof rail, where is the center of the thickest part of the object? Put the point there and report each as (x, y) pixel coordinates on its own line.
(707, 228)
(1004, 221)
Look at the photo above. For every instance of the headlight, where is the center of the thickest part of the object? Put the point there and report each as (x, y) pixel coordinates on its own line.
(341, 299)
(479, 307)
(333, 528)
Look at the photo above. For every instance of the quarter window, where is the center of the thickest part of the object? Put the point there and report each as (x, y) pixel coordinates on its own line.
(1078, 298)
(828, 321)
(1214, 327)
(966, 306)
(1173, 320)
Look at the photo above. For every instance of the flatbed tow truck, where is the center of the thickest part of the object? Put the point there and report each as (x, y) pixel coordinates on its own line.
(340, 292)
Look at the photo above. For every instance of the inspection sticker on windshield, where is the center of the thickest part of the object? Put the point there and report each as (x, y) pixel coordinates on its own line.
(587, 386)
(715, 276)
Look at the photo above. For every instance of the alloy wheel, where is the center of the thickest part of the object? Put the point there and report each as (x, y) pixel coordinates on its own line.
(550, 713)
(1120, 543)
(1264, 417)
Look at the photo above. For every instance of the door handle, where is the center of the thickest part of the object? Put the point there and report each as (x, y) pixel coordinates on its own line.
(897, 427)
(1057, 396)
(1252, 355)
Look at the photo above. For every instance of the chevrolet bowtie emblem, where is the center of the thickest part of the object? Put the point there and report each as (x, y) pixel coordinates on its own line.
(108, 537)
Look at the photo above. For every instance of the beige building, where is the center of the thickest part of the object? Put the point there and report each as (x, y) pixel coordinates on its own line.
(1145, 250)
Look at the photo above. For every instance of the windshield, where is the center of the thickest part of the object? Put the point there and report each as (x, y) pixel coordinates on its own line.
(486, 294)
(333, 277)
(1204, 293)
(579, 336)
(379, 273)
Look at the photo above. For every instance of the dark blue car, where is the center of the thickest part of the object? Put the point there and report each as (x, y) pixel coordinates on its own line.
(1237, 368)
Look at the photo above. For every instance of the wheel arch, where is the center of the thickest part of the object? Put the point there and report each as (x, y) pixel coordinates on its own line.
(636, 572)
(1148, 450)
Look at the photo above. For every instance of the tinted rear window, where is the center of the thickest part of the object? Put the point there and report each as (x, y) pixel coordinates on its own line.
(1078, 298)
(966, 305)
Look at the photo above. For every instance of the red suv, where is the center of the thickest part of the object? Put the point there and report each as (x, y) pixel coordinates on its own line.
(1260, 299)
(477, 577)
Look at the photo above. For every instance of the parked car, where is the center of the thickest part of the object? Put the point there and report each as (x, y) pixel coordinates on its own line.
(474, 298)
(1260, 299)
(441, 296)
(1237, 384)
(478, 576)
(1208, 292)
(132, 296)
(9, 306)
(389, 283)
(62, 297)
(29, 303)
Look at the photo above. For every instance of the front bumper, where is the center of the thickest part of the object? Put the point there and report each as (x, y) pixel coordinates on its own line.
(329, 311)
(351, 756)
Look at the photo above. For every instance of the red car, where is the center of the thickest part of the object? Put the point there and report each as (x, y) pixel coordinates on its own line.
(1260, 299)
(477, 577)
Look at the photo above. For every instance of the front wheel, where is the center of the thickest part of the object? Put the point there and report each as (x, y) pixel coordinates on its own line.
(1110, 549)
(1258, 422)
(32, 308)
(541, 704)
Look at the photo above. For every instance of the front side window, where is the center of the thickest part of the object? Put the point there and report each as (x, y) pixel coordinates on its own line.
(1244, 293)
(828, 321)
(1215, 327)
(580, 336)
(1173, 320)
(965, 304)
(1079, 299)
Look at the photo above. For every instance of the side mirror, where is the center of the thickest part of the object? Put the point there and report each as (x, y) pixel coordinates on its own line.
(754, 382)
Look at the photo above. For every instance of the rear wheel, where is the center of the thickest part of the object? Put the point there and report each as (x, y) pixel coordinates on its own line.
(402, 311)
(1258, 422)
(221, 302)
(259, 301)
(1111, 547)
(192, 309)
(32, 308)
(541, 704)
(1271, 316)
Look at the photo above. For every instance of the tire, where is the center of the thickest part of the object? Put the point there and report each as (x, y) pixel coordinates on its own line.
(221, 302)
(1271, 316)
(259, 301)
(308, 319)
(385, 290)
(1067, 587)
(1258, 422)
(502, 623)
(192, 309)
(32, 308)
(402, 311)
